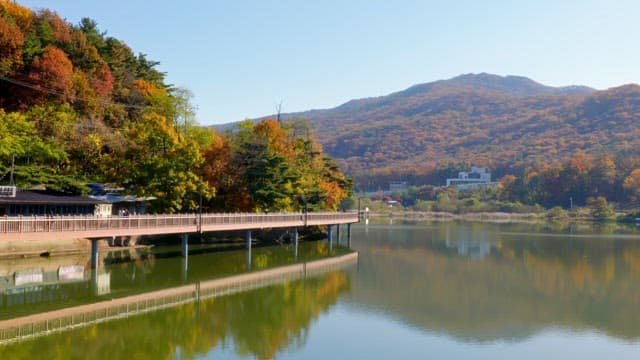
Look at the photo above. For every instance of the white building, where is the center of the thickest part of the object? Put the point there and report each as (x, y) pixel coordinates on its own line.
(477, 178)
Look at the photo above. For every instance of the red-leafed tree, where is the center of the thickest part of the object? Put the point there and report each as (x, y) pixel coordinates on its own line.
(52, 28)
(102, 81)
(52, 74)
(11, 40)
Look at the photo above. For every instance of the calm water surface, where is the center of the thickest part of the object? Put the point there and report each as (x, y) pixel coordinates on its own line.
(420, 290)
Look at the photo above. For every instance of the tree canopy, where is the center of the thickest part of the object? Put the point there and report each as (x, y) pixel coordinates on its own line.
(79, 106)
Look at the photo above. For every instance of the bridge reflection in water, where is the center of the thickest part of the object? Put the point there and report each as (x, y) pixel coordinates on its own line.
(65, 319)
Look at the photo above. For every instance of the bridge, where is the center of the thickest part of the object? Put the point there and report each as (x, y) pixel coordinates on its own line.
(96, 228)
(48, 228)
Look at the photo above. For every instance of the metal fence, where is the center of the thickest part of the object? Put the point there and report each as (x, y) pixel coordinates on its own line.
(39, 224)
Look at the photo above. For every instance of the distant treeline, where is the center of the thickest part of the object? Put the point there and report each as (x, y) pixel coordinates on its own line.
(570, 182)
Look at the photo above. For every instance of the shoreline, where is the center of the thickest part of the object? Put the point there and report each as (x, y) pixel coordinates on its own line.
(445, 216)
(490, 217)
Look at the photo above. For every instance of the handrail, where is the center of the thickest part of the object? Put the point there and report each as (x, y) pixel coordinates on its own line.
(47, 224)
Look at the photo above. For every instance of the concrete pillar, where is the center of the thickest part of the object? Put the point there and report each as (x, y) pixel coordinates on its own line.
(94, 280)
(247, 239)
(248, 247)
(94, 253)
(330, 238)
(349, 236)
(184, 262)
(295, 243)
(248, 259)
(338, 235)
(185, 245)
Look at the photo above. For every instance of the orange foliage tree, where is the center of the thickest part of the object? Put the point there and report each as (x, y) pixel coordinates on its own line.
(53, 74)
(11, 41)
(272, 166)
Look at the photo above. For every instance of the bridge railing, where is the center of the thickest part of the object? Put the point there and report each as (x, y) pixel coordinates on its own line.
(36, 224)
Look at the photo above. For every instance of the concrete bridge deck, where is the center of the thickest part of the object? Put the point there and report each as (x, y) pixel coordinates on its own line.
(92, 227)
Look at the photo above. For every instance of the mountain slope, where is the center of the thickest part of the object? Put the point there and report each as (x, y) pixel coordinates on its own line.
(412, 100)
(476, 119)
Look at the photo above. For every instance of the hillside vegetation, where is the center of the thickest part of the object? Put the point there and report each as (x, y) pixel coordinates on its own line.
(79, 106)
(557, 142)
(481, 119)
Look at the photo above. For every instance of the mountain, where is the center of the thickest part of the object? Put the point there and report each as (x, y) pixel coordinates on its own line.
(517, 86)
(512, 85)
(411, 100)
(481, 119)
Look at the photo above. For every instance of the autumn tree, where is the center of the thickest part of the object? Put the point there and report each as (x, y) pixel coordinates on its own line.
(52, 73)
(272, 166)
(11, 43)
(505, 188)
(78, 106)
(600, 208)
(632, 184)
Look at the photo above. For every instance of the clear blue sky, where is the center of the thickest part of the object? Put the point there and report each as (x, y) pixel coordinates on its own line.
(241, 58)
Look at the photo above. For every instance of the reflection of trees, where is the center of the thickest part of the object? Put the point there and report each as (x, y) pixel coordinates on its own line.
(134, 271)
(527, 284)
(206, 264)
(268, 320)
(259, 323)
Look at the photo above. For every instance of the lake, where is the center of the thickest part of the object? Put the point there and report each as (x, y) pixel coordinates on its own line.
(442, 290)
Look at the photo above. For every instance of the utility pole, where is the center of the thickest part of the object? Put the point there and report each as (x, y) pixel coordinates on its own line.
(200, 213)
(278, 111)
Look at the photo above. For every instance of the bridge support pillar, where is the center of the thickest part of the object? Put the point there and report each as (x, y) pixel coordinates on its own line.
(295, 243)
(184, 262)
(247, 240)
(349, 236)
(185, 245)
(94, 281)
(330, 237)
(94, 253)
(338, 235)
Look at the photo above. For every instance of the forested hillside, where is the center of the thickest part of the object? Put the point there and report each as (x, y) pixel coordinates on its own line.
(79, 106)
(508, 124)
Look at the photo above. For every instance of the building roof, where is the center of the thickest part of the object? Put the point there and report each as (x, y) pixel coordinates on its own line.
(43, 198)
(115, 198)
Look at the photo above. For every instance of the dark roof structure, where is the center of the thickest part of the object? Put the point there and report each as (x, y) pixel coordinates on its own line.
(33, 197)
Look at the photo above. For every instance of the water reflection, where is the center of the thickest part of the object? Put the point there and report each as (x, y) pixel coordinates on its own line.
(475, 245)
(486, 287)
(34, 285)
(483, 282)
(258, 323)
(26, 282)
